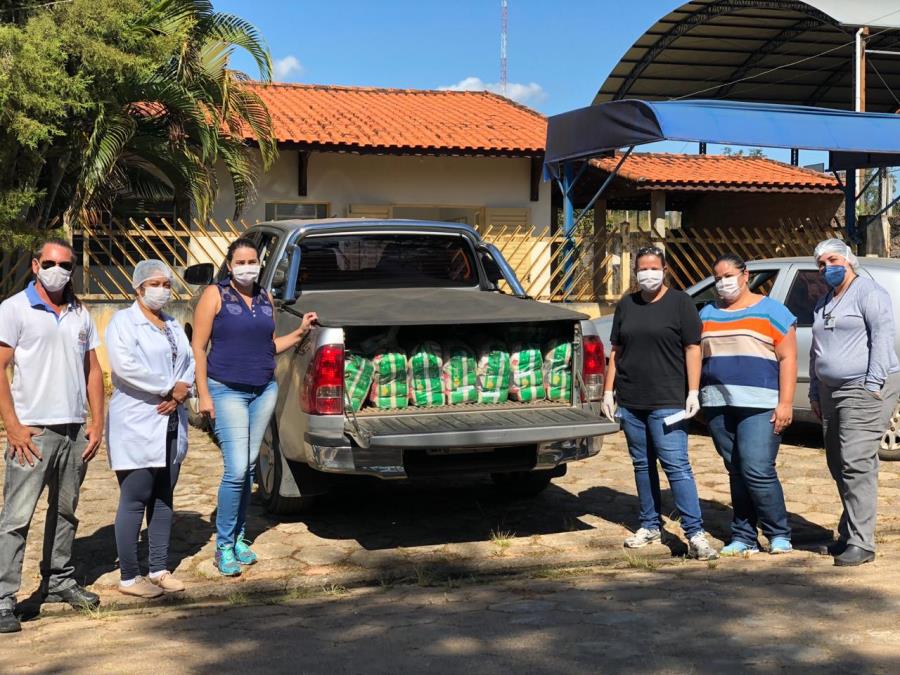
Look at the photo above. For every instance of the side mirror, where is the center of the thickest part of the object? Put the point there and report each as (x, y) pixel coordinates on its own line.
(201, 274)
(291, 291)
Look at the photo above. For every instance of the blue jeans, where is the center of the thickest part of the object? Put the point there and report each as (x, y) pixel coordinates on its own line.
(650, 440)
(242, 415)
(746, 440)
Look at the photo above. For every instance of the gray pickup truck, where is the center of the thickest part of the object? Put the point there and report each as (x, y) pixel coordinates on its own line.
(411, 281)
(797, 283)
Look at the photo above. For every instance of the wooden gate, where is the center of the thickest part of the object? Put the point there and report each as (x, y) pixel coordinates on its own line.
(691, 252)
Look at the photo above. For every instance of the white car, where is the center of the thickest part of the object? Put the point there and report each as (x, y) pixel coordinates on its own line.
(796, 282)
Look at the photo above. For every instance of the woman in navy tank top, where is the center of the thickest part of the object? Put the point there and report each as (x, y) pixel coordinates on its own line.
(236, 386)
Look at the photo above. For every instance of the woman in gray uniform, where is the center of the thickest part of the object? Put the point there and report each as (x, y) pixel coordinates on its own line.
(853, 387)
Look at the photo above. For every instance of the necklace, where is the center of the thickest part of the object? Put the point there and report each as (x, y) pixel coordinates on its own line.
(827, 313)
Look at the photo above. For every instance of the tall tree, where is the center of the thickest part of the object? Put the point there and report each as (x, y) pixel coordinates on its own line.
(100, 98)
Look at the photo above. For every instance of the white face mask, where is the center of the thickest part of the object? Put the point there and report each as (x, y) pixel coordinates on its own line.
(650, 280)
(245, 274)
(156, 297)
(729, 288)
(54, 279)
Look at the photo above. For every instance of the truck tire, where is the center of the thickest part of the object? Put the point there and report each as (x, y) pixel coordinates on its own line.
(522, 484)
(269, 471)
(890, 441)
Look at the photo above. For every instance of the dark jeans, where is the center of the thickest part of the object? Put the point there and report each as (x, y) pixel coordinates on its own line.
(147, 491)
(746, 440)
(62, 472)
(650, 440)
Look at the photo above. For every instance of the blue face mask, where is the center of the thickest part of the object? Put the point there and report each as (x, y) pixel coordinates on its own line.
(834, 275)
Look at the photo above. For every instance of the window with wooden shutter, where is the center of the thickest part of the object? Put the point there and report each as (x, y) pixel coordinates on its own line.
(381, 211)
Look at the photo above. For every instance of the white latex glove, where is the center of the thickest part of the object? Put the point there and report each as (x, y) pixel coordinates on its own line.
(608, 406)
(692, 404)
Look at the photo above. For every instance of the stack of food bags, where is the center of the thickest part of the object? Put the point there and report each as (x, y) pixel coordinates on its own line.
(527, 375)
(459, 373)
(425, 385)
(493, 372)
(558, 370)
(358, 374)
(389, 387)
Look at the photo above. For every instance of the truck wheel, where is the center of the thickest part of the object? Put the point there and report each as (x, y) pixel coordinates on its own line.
(890, 441)
(522, 484)
(269, 470)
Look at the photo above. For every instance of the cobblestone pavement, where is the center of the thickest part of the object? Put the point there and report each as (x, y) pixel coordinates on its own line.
(428, 566)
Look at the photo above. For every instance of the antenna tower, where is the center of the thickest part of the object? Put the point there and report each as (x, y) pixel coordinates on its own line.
(504, 27)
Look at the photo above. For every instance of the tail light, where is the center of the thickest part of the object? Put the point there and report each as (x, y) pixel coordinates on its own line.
(323, 385)
(593, 367)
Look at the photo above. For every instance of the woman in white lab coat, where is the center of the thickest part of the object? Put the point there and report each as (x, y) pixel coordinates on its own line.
(152, 372)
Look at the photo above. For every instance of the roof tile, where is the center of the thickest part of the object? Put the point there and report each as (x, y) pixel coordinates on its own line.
(428, 120)
(717, 172)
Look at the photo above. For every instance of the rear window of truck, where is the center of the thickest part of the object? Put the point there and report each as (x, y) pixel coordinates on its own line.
(386, 261)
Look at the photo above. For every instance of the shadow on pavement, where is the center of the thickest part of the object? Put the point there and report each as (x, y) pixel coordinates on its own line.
(735, 618)
(424, 512)
(95, 554)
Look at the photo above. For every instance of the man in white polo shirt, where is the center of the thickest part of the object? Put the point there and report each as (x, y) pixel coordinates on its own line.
(49, 338)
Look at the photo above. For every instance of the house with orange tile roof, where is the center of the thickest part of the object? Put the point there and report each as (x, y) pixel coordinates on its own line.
(716, 190)
(463, 156)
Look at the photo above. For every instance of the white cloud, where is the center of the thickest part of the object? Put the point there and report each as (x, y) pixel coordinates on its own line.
(531, 93)
(286, 67)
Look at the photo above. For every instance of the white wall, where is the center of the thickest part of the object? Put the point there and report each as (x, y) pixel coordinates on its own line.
(344, 179)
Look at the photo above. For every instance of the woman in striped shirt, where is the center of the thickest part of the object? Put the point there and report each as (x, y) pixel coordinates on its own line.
(749, 347)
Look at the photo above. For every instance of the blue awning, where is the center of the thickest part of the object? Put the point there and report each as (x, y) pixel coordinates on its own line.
(854, 140)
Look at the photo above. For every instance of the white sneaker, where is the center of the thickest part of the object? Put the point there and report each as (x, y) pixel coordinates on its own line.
(642, 537)
(699, 548)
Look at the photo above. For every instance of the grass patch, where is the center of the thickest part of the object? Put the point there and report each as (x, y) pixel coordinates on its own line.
(238, 598)
(557, 573)
(502, 540)
(335, 590)
(425, 576)
(639, 562)
(100, 613)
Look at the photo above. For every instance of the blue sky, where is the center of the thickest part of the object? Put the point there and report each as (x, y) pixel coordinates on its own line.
(559, 52)
(564, 48)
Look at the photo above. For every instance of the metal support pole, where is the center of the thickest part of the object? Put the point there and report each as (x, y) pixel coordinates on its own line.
(850, 206)
(568, 180)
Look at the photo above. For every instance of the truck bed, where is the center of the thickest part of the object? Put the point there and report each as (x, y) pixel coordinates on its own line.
(425, 307)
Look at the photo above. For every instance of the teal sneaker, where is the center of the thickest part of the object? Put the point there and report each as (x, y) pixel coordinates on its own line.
(780, 545)
(226, 562)
(243, 552)
(738, 548)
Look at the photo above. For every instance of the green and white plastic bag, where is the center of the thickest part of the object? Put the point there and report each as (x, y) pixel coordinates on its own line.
(358, 375)
(558, 384)
(459, 373)
(389, 387)
(425, 385)
(494, 372)
(527, 382)
(558, 370)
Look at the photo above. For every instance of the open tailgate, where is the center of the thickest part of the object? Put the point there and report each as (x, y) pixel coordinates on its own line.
(474, 429)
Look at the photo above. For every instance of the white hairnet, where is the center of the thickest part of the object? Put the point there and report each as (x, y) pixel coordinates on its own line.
(149, 269)
(836, 246)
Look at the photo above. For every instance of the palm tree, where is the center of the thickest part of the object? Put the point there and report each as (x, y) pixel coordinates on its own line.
(163, 136)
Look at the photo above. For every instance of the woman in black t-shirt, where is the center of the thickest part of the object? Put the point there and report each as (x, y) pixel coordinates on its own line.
(654, 369)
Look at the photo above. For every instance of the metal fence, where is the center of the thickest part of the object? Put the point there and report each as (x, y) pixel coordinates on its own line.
(591, 266)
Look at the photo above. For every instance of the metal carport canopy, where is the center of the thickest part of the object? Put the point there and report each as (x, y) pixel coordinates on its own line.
(851, 138)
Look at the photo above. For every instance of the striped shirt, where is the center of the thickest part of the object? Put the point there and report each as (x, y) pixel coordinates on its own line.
(740, 367)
